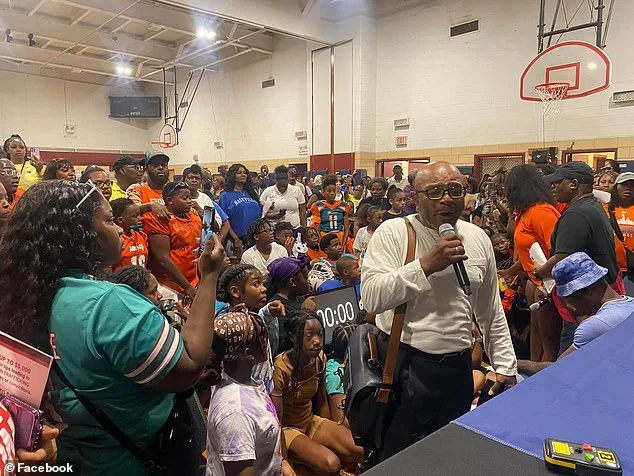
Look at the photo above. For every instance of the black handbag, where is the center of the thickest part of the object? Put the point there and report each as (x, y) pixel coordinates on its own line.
(629, 255)
(178, 446)
(368, 383)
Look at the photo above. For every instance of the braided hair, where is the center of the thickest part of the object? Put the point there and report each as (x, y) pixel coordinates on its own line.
(340, 338)
(295, 326)
(137, 277)
(258, 226)
(235, 275)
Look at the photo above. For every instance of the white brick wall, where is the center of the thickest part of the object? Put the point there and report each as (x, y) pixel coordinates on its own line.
(254, 124)
(464, 91)
(35, 108)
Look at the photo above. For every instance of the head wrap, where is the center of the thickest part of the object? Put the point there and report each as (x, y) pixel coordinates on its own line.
(283, 269)
(239, 329)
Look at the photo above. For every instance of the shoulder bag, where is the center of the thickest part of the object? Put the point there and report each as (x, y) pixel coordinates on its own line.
(629, 254)
(367, 381)
(177, 448)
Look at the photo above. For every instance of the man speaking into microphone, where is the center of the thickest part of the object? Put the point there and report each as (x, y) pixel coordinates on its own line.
(433, 382)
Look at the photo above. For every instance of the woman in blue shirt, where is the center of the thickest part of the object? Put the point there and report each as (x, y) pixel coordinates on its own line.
(112, 344)
(239, 200)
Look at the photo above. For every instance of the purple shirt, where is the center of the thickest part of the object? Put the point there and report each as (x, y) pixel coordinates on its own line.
(610, 315)
(407, 190)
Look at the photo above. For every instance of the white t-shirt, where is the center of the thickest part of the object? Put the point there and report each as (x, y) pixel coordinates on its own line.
(300, 186)
(254, 257)
(203, 201)
(242, 425)
(399, 183)
(361, 241)
(289, 201)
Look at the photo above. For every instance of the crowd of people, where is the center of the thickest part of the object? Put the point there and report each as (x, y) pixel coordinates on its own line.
(114, 283)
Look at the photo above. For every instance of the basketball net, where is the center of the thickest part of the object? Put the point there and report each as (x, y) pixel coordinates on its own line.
(551, 95)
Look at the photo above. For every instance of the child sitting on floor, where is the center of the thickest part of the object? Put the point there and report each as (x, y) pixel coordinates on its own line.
(334, 374)
(326, 268)
(299, 386)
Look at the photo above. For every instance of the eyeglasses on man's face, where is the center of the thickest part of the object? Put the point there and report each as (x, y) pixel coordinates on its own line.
(436, 193)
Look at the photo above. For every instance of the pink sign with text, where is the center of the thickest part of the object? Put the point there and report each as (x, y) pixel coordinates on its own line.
(23, 370)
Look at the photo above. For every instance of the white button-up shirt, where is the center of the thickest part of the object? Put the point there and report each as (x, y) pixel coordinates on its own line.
(438, 316)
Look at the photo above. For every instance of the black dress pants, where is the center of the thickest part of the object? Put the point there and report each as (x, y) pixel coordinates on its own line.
(430, 391)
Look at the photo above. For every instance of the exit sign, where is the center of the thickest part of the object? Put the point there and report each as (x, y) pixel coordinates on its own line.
(401, 141)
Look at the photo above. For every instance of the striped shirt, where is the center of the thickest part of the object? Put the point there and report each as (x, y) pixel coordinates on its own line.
(114, 346)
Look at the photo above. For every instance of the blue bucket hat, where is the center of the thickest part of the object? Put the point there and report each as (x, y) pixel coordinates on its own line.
(575, 272)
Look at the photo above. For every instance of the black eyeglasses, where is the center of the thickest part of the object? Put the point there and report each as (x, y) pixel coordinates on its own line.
(436, 193)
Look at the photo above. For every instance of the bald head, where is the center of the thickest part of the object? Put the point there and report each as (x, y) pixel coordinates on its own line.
(437, 172)
(442, 181)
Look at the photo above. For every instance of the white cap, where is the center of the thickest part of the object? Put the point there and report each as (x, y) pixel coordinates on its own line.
(624, 177)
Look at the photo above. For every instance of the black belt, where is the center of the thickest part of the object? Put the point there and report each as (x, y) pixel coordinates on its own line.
(440, 358)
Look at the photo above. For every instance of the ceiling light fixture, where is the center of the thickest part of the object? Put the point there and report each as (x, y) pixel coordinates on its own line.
(124, 70)
(204, 33)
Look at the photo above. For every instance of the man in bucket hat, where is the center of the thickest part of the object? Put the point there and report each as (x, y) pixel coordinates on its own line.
(591, 301)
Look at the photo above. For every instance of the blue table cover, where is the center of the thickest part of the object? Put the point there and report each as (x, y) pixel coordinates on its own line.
(587, 397)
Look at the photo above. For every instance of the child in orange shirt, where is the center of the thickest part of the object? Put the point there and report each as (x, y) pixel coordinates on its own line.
(312, 242)
(174, 244)
(127, 215)
(330, 215)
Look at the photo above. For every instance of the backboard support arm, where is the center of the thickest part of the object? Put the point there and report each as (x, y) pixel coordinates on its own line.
(598, 24)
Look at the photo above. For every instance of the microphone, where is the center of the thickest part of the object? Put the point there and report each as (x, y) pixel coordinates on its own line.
(461, 273)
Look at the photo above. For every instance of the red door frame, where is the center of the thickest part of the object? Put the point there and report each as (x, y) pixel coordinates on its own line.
(379, 166)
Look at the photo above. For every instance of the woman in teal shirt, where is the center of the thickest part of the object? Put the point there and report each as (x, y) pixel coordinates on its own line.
(110, 342)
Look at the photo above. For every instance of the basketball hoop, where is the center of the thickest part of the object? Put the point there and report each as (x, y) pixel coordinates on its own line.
(167, 137)
(551, 95)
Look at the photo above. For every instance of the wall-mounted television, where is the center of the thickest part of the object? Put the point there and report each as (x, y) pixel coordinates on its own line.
(135, 107)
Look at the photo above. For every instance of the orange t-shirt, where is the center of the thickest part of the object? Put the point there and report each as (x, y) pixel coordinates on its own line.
(143, 193)
(18, 194)
(184, 234)
(561, 207)
(625, 219)
(534, 225)
(315, 254)
(135, 250)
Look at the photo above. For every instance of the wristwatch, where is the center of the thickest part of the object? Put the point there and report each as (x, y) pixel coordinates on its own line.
(477, 340)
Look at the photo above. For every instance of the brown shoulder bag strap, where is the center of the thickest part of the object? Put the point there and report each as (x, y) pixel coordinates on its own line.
(397, 324)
